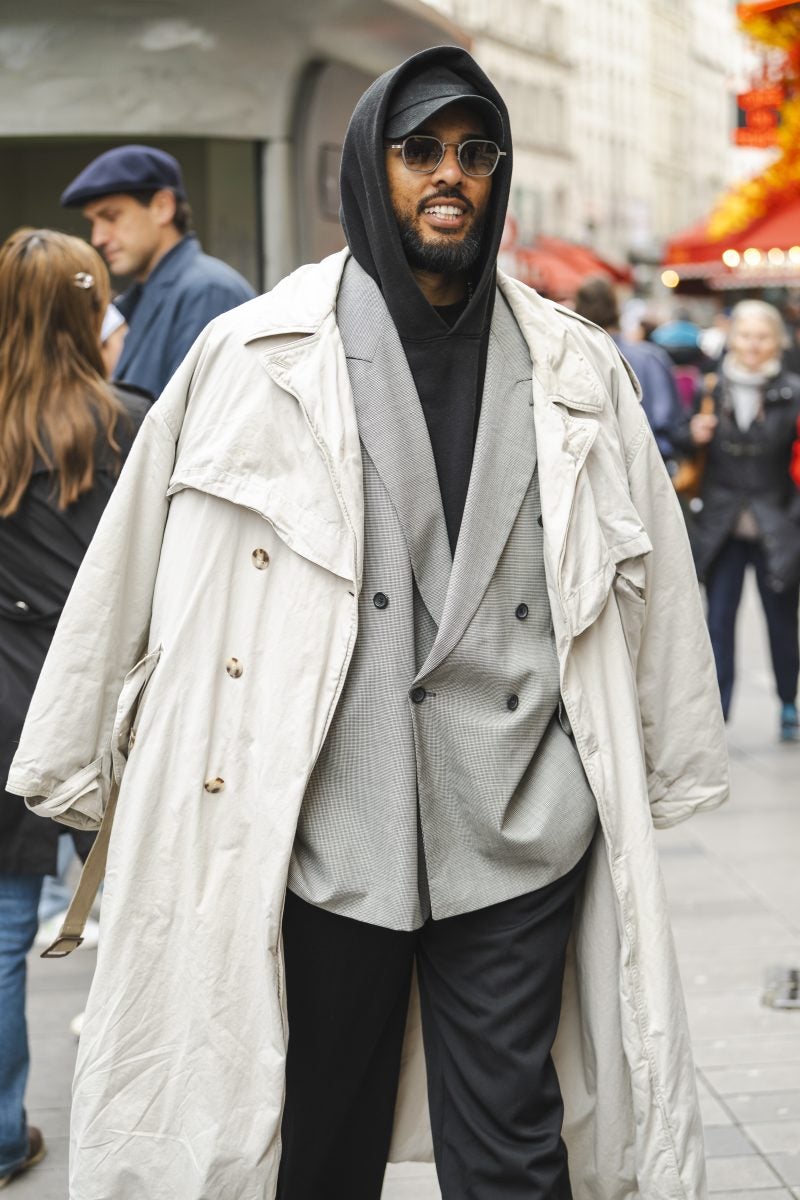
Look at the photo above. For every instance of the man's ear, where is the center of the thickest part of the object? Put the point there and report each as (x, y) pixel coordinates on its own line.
(163, 206)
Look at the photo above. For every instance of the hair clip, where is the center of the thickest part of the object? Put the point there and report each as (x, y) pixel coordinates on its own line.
(83, 280)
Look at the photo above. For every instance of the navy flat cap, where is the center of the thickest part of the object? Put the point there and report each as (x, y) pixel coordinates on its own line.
(125, 169)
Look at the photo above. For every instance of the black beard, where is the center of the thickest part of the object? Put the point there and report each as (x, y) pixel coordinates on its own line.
(442, 257)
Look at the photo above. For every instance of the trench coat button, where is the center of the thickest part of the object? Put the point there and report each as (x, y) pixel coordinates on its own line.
(380, 600)
(512, 703)
(786, 393)
(260, 559)
(521, 612)
(234, 668)
(214, 785)
(539, 521)
(131, 739)
(418, 694)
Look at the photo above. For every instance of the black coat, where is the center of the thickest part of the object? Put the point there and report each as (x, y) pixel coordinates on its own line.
(41, 549)
(750, 470)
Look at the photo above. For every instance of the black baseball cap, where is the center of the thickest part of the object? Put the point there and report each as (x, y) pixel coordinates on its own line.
(125, 169)
(424, 94)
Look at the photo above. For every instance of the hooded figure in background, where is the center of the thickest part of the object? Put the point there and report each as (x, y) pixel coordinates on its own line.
(391, 641)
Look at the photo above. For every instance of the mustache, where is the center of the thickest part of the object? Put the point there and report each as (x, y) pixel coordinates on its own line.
(448, 193)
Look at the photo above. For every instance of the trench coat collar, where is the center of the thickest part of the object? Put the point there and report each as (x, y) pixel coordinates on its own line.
(392, 428)
(300, 316)
(504, 462)
(562, 373)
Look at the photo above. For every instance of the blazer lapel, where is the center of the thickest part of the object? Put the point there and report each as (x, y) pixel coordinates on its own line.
(392, 428)
(505, 459)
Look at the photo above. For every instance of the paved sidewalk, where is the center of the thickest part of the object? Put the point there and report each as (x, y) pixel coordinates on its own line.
(734, 882)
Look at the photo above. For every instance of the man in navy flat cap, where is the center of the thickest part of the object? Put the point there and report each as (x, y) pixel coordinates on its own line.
(135, 199)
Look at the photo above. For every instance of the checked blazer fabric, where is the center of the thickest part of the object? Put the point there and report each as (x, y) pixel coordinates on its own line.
(471, 792)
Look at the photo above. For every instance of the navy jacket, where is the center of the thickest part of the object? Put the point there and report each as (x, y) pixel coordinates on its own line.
(660, 401)
(165, 314)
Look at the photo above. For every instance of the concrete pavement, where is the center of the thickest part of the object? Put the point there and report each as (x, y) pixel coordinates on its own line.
(734, 885)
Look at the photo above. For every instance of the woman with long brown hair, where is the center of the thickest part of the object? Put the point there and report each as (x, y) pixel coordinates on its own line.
(64, 433)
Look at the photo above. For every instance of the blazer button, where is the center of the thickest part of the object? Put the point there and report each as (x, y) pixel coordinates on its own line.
(260, 559)
(418, 694)
(512, 703)
(521, 612)
(539, 520)
(234, 668)
(214, 785)
(380, 600)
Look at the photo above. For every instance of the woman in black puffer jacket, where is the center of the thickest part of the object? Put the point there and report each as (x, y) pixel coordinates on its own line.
(750, 514)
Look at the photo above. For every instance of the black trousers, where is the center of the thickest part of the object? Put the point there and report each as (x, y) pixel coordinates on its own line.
(490, 987)
(724, 591)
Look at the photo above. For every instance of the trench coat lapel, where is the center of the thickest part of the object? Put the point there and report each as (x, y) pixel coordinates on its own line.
(567, 398)
(392, 427)
(504, 462)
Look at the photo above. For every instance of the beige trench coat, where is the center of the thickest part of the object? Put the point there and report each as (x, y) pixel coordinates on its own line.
(235, 533)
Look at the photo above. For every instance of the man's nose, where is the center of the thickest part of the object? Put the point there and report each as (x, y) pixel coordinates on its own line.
(449, 169)
(98, 238)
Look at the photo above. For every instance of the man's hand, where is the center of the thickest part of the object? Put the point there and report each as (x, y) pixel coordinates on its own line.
(702, 427)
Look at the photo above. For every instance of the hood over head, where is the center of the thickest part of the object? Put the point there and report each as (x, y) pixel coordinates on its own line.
(412, 92)
(447, 361)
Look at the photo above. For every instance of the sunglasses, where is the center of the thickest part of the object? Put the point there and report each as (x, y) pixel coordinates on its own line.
(423, 154)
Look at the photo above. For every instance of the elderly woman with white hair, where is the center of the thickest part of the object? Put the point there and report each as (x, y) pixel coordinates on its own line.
(750, 513)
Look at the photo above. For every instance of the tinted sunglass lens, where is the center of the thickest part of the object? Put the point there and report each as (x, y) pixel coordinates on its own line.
(422, 153)
(479, 158)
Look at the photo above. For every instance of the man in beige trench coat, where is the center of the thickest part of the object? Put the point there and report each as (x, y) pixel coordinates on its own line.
(391, 638)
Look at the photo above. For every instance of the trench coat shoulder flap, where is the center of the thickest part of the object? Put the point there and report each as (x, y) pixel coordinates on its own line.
(594, 538)
(269, 426)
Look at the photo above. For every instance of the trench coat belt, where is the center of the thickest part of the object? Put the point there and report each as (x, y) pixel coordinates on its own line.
(70, 935)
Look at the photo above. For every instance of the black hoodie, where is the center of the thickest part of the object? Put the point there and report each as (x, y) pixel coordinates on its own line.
(447, 363)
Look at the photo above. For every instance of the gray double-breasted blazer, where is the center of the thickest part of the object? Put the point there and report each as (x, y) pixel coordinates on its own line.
(447, 781)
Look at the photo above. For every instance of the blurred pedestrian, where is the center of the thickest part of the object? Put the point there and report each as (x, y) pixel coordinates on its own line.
(63, 436)
(750, 514)
(713, 340)
(597, 301)
(679, 337)
(135, 201)
(405, 683)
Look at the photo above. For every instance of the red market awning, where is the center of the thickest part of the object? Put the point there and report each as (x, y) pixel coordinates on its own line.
(768, 251)
(556, 267)
(582, 259)
(546, 272)
(759, 8)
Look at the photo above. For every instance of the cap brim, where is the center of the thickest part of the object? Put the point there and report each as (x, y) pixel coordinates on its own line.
(415, 115)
